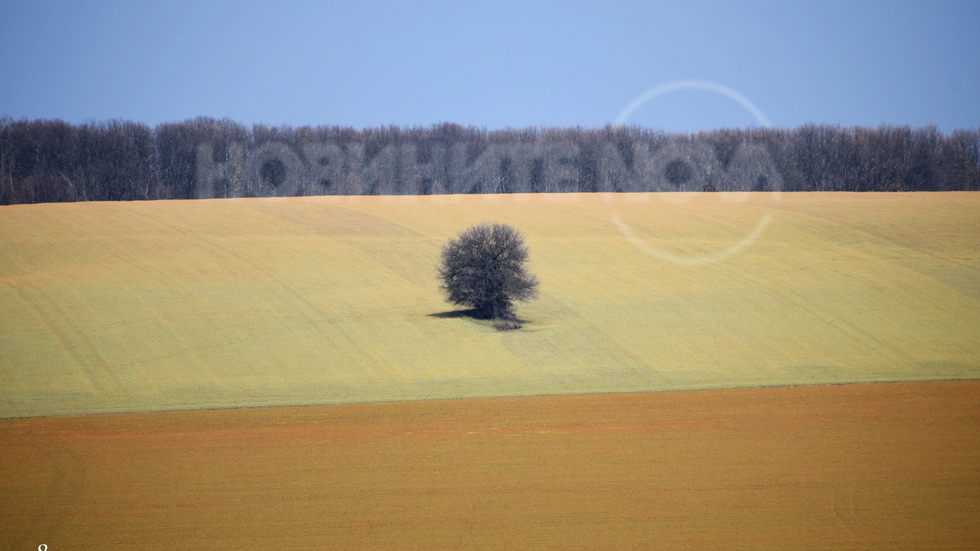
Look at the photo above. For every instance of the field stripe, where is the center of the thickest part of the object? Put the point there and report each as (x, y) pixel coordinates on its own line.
(873, 466)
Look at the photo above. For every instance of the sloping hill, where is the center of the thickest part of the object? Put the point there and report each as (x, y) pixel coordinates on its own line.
(225, 303)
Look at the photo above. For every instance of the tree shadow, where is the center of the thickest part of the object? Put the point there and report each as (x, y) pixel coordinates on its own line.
(504, 324)
(454, 314)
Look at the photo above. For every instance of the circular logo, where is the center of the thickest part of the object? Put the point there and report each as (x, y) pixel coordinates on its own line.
(685, 169)
(679, 85)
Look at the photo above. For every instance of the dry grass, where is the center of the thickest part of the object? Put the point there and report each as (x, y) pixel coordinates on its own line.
(204, 304)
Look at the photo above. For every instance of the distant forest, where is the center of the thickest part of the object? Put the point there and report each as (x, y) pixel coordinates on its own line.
(54, 161)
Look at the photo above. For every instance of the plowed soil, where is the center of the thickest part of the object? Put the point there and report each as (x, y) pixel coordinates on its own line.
(869, 466)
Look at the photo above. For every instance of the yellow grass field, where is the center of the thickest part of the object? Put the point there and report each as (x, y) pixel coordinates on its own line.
(115, 307)
(856, 467)
(155, 306)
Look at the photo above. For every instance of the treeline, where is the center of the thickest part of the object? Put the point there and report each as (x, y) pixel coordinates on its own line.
(53, 161)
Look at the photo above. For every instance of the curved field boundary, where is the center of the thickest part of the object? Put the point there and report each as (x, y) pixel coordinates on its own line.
(111, 307)
(876, 466)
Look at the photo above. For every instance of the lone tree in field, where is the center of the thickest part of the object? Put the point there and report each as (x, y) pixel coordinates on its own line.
(483, 268)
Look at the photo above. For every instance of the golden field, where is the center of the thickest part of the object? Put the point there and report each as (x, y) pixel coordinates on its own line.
(111, 307)
(156, 309)
(866, 466)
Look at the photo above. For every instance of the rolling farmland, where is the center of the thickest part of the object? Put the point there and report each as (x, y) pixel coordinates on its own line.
(566, 441)
(211, 304)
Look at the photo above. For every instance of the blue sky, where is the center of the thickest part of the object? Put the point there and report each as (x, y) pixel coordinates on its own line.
(494, 65)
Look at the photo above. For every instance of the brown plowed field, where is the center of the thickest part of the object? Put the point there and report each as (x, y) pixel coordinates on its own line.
(870, 466)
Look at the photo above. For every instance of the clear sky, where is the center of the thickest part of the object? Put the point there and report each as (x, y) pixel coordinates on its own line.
(493, 64)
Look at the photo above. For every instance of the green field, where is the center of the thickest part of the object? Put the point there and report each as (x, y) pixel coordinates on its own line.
(111, 307)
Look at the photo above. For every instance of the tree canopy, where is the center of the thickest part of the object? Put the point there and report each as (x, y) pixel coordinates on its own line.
(483, 268)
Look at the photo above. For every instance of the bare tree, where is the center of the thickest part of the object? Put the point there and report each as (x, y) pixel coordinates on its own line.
(51, 160)
(483, 268)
